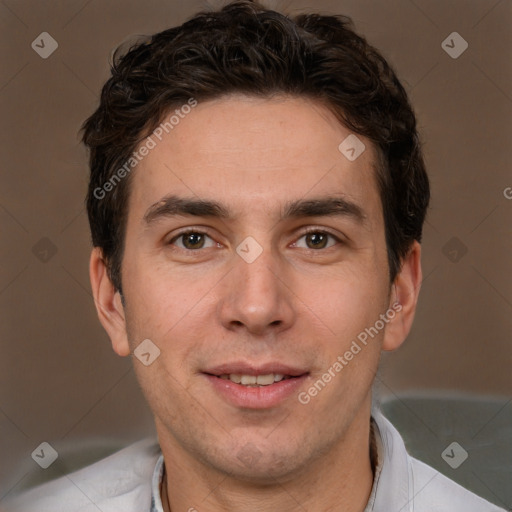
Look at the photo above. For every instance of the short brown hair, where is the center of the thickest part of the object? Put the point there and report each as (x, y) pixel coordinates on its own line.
(245, 48)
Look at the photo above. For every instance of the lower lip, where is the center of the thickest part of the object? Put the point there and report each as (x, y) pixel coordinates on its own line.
(260, 397)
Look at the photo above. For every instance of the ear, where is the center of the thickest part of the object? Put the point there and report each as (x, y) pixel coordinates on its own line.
(403, 299)
(108, 303)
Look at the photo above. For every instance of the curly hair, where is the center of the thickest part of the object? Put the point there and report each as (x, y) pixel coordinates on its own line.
(245, 48)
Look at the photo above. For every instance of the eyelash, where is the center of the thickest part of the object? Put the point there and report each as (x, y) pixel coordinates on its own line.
(304, 233)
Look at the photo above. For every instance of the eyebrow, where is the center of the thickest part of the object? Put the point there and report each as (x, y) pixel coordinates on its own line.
(323, 207)
(171, 206)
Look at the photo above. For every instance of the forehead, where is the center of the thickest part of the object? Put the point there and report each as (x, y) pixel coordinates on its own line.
(256, 153)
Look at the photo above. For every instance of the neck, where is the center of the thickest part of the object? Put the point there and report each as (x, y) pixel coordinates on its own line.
(342, 479)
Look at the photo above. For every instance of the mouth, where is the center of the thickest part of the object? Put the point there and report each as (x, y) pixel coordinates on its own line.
(254, 381)
(253, 387)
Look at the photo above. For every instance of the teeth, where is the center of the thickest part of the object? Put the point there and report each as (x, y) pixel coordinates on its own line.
(253, 380)
(265, 380)
(248, 379)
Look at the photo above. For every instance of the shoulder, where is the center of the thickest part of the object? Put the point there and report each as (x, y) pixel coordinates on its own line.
(121, 481)
(407, 484)
(432, 491)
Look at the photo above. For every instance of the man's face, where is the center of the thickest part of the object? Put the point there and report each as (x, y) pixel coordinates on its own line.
(215, 305)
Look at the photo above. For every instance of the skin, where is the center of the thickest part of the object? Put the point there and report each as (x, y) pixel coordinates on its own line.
(296, 303)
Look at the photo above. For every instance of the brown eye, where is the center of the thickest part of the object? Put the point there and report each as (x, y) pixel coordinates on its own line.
(316, 240)
(192, 240)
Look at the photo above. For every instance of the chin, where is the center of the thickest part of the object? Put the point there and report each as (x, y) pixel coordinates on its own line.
(263, 465)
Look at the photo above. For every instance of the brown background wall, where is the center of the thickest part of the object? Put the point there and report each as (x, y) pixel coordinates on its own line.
(59, 378)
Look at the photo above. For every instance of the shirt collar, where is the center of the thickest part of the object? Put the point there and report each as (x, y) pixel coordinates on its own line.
(393, 478)
(156, 502)
(375, 440)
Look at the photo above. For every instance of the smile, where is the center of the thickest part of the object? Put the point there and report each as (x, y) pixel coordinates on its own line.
(255, 380)
(249, 387)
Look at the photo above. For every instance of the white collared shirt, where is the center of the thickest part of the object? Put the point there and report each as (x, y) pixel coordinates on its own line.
(129, 481)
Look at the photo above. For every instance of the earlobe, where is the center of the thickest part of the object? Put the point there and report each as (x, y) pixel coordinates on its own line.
(404, 298)
(108, 303)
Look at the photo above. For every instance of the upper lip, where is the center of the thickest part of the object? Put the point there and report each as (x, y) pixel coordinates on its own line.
(244, 368)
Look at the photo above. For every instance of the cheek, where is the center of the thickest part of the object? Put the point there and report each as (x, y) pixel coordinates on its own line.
(172, 311)
(346, 301)
(161, 297)
(349, 305)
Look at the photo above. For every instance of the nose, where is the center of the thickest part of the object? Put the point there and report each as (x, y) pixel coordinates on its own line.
(257, 297)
